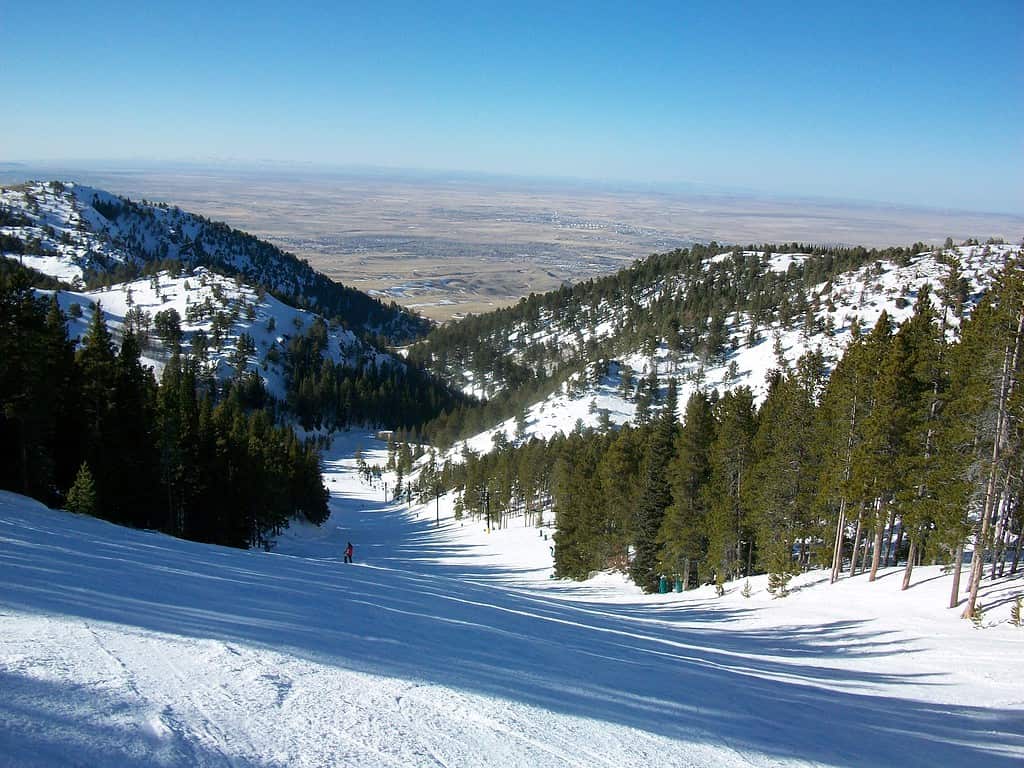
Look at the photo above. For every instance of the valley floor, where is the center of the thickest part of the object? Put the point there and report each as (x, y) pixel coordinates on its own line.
(450, 646)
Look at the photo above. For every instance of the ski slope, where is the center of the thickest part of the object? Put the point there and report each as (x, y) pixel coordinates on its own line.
(451, 646)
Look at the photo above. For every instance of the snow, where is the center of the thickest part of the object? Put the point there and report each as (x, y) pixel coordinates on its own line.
(55, 266)
(559, 413)
(451, 645)
(776, 262)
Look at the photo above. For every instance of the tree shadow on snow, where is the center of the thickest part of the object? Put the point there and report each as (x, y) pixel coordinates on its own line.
(683, 673)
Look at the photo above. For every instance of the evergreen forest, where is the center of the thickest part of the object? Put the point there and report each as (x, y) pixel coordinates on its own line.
(91, 430)
(685, 297)
(910, 449)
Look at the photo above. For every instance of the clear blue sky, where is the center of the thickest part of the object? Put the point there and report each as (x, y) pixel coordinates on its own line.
(911, 102)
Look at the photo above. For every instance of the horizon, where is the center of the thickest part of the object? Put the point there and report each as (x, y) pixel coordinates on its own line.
(916, 106)
(15, 172)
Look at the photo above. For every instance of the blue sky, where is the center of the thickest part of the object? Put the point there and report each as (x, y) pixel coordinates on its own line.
(916, 103)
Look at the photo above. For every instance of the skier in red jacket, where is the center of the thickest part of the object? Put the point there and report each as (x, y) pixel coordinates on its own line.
(348, 553)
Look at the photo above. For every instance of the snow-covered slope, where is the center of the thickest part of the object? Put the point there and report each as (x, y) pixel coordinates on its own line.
(447, 645)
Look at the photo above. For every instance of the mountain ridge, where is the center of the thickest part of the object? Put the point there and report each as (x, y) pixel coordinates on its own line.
(709, 317)
(240, 306)
(70, 230)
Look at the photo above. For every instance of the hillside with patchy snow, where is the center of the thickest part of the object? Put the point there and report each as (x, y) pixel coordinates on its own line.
(216, 312)
(236, 304)
(72, 231)
(448, 645)
(599, 372)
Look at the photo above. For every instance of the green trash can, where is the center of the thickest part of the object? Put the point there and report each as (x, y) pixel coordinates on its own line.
(679, 584)
(662, 585)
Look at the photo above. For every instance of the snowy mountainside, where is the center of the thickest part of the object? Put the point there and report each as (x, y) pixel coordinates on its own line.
(219, 310)
(69, 230)
(608, 365)
(445, 644)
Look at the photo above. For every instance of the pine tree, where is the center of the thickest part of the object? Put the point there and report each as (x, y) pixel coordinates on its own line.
(784, 475)
(130, 494)
(868, 469)
(921, 473)
(728, 489)
(876, 462)
(60, 395)
(840, 428)
(618, 473)
(959, 452)
(178, 444)
(655, 496)
(82, 496)
(96, 368)
(38, 450)
(682, 538)
(1004, 338)
(578, 508)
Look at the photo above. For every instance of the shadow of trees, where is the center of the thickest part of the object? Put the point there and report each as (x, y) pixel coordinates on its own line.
(684, 673)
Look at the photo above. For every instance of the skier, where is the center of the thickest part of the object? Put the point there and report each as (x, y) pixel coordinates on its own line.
(348, 553)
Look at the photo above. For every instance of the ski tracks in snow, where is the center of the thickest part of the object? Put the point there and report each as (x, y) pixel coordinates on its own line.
(187, 711)
(174, 700)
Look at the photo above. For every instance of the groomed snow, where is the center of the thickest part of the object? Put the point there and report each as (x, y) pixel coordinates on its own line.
(453, 646)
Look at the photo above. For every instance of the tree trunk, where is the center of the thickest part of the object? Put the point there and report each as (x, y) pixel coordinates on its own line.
(1017, 551)
(837, 552)
(25, 489)
(876, 551)
(899, 543)
(1004, 547)
(837, 561)
(978, 556)
(856, 544)
(958, 557)
(910, 565)
(998, 552)
(1015, 515)
(999, 555)
(864, 554)
(888, 538)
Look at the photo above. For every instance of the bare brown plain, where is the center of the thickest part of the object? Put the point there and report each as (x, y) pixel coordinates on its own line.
(448, 245)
